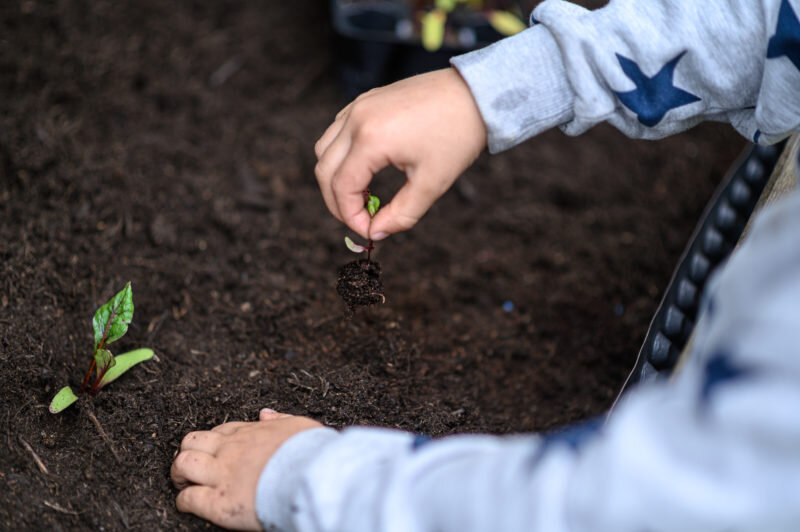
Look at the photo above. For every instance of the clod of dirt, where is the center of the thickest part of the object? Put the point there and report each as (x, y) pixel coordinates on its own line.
(359, 284)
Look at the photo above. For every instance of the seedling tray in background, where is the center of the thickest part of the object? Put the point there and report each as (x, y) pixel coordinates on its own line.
(377, 44)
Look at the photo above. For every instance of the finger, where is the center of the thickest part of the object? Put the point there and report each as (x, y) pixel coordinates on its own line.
(230, 428)
(268, 414)
(201, 440)
(410, 203)
(349, 183)
(345, 111)
(326, 169)
(330, 134)
(194, 467)
(198, 500)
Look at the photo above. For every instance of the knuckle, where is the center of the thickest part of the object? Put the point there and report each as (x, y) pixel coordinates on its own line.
(181, 460)
(367, 131)
(321, 171)
(192, 436)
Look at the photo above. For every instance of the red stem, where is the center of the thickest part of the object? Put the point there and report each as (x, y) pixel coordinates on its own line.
(88, 375)
(96, 386)
(101, 345)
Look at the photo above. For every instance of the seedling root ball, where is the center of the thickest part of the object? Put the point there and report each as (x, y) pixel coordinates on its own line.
(359, 284)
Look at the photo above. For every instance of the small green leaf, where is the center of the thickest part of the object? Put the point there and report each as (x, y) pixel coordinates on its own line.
(373, 204)
(124, 362)
(352, 246)
(104, 359)
(62, 400)
(113, 318)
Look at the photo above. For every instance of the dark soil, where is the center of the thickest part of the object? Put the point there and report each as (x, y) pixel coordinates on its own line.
(170, 144)
(359, 284)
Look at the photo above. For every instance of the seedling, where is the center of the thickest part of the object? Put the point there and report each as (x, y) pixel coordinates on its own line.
(372, 203)
(359, 282)
(110, 323)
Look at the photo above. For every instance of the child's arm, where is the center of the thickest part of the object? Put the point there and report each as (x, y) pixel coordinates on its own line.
(218, 470)
(649, 67)
(715, 449)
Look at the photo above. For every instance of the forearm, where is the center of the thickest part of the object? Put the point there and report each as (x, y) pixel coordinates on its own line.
(715, 449)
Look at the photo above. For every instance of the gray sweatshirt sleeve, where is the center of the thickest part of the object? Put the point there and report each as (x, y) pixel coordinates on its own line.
(716, 449)
(651, 68)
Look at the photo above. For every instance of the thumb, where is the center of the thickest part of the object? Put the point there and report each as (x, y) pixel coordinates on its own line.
(267, 414)
(410, 203)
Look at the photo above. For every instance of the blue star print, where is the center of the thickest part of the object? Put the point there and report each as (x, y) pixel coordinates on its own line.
(653, 96)
(420, 440)
(786, 40)
(573, 437)
(720, 369)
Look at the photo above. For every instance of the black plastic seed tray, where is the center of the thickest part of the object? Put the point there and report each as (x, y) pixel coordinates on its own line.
(376, 43)
(716, 235)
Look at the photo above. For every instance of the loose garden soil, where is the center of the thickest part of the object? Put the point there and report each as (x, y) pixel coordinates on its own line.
(170, 144)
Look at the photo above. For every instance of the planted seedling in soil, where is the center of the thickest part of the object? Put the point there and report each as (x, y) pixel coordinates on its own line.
(359, 283)
(110, 323)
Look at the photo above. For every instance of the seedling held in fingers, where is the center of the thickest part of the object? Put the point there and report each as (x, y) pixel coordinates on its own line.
(359, 282)
(110, 323)
(373, 203)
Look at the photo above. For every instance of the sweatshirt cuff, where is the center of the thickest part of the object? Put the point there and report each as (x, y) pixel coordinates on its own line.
(282, 475)
(520, 85)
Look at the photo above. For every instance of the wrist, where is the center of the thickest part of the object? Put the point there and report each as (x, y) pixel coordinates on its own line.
(520, 86)
(281, 476)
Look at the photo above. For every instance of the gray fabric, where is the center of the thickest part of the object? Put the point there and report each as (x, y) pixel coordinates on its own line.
(714, 449)
(721, 49)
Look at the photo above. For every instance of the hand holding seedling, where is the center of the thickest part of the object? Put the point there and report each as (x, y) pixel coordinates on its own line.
(217, 470)
(428, 126)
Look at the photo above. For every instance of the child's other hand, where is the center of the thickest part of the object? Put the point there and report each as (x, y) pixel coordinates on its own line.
(428, 126)
(217, 471)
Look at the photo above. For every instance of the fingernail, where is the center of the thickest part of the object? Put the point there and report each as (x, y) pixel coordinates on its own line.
(379, 236)
(268, 411)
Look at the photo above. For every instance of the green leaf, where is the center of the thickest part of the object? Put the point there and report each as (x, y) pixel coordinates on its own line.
(112, 319)
(62, 400)
(373, 204)
(352, 246)
(124, 362)
(104, 359)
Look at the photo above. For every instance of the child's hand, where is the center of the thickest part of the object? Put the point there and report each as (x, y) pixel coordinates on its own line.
(428, 126)
(217, 471)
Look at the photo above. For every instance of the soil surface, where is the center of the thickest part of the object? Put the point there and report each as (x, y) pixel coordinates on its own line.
(170, 144)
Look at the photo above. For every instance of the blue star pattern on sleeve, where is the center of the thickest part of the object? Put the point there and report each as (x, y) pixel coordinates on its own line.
(574, 437)
(419, 441)
(720, 369)
(653, 96)
(786, 41)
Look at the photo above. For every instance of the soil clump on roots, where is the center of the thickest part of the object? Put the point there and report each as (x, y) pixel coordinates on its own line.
(359, 284)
